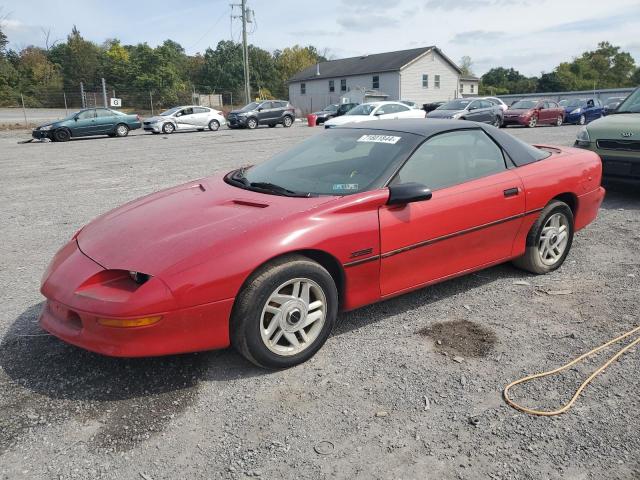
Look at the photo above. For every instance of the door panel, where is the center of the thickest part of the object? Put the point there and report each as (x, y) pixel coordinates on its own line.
(462, 227)
(86, 124)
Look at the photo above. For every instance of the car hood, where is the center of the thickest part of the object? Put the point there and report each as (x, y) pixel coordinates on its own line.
(517, 111)
(443, 113)
(237, 112)
(157, 118)
(613, 126)
(343, 119)
(190, 222)
(324, 113)
(571, 109)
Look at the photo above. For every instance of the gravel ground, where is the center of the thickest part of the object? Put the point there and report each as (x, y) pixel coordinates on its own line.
(408, 388)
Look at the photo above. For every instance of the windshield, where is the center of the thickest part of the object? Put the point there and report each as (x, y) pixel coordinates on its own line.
(455, 105)
(331, 108)
(524, 104)
(631, 104)
(364, 109)
(169, 112)
(574, 103)
(248, 108)
(337, 162)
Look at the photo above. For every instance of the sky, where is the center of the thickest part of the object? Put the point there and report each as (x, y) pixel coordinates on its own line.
(532, 36)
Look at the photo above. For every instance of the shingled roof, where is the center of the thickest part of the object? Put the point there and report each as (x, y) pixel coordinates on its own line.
(374, 63)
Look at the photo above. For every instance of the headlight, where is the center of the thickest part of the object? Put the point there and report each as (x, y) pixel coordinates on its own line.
(456, 115)
(576, 111)
(583, 138)
(46, 127)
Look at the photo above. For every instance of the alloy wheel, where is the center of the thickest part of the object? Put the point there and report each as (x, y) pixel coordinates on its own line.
(293, 316)
(553, 239)
(533, 121)
(122, 131)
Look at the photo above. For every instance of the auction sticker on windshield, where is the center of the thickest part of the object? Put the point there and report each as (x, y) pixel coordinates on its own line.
(379, 139)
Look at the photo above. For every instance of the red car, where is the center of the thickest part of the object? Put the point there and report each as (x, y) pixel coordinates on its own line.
(264, 258)
(533, 112)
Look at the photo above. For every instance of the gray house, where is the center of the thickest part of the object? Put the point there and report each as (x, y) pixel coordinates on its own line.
(421, 75)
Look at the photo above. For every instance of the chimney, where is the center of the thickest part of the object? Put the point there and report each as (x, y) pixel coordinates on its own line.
(317, 69)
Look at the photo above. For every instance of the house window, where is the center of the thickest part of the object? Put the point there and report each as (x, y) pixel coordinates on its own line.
(303, 88)
(376, 82)
(436, 81)
(472, 88)
(332, 87)
(461, 87)
(343, 85)
(425, 81)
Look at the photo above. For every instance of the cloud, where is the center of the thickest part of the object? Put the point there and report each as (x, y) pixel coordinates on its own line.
(596, 24)
(366, 23)
(471, 4)
(369, 5)
(476, 36)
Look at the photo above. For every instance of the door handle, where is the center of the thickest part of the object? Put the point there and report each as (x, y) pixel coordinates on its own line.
(511, 192)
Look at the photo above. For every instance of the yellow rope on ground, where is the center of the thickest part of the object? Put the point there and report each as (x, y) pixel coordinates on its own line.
(599, 370)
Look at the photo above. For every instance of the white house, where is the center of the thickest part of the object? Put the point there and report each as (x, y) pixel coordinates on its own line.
(421, 75)
(469, 85)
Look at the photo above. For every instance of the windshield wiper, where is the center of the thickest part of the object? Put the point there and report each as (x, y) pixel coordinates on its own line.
(277, 189)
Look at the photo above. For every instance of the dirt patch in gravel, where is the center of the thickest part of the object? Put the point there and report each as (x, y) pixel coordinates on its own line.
(461, 337)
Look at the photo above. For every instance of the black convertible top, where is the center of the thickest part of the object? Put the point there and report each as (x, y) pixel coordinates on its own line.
(521, 153)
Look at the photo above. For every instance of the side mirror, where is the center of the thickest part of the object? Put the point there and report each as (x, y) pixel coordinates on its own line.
(377, 114)
(259, 109)
(76, 118)
(408, 193)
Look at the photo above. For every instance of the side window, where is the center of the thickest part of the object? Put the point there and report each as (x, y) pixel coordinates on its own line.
(103, 112)
(486, 104)
(472, 87)
(375, 82)
(553, 105)
(436, 81)
(332, 87)
(452, 158)
(425, 81)
(200, 110)
(266, 105)
(461, 87)
(398, 108)
(590, 103)
(87, 114)
(474, 105)
(383, 110)
(303, 88)
(187, 111)
(343, 85)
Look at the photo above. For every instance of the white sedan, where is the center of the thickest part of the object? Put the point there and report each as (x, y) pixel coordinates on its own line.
(190, 117)
(375, 110)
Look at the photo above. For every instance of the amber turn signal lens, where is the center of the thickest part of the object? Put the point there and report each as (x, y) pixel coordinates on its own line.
(128, 322)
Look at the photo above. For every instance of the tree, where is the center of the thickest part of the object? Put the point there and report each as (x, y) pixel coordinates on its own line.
(465, 65)
(292, 60)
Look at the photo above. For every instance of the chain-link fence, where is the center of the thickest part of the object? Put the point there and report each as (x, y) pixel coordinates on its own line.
(64, 101)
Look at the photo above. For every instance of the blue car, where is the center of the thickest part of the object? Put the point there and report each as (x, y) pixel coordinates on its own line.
(581, 110)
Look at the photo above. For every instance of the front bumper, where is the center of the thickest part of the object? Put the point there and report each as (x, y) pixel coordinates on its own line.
(515, 120)
(152, 127)
(572, 118)
(237, 121)
(617, 165)
(40, 134)
(72, 314)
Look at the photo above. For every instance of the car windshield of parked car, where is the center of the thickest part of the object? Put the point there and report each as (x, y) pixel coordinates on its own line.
(248, 108)
(454, 105)
(338, 162)
(524, 104)
(575, 103)
(631, 104)
(331, 108)
(364, 109)
(169, 112)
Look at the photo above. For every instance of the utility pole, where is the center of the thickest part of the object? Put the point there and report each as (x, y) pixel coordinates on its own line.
(104, 93)
(246, 17)
(82, 98)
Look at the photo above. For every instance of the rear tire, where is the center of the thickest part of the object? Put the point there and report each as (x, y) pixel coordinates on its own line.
(559, 121)
(214, 125)
(287, 121)
(121, 130)
(284, 313)
(62, 135)
(549, 240)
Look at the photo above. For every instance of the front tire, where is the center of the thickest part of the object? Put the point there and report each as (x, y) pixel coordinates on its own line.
(559, 121)
(62, 135)
(533, 121)
(252, 124)
(287, 121)
(582, 120)
(168, 128)
(549, 240)
(284, 313)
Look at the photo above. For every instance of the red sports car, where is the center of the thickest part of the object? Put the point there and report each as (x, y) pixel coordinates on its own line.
(533, 112)
(264, 258)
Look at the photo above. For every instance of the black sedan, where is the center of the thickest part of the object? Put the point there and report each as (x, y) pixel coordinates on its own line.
(327, 113)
